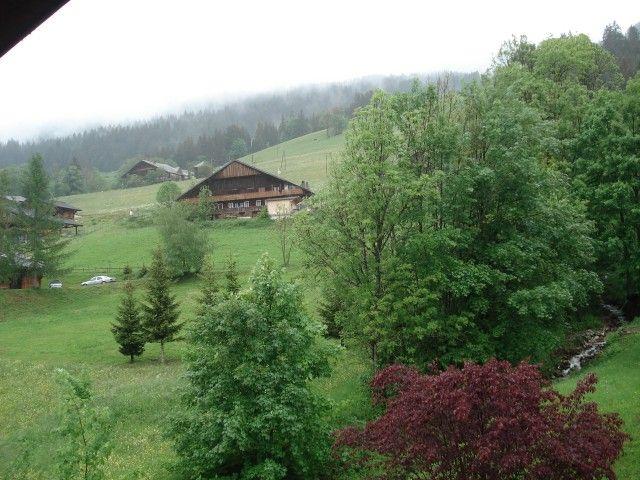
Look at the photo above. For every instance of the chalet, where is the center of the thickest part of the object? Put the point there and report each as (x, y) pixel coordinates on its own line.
(242, 190)
(61, 210)
(161, 171)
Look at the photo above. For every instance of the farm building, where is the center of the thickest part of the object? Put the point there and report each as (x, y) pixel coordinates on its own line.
(23, 278)
(161, 171)
(62, 210)
(242, 190)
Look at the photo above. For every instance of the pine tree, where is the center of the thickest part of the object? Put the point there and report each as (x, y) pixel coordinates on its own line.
(160, 313)
(231, 275)
(128, 329)
(209, 288)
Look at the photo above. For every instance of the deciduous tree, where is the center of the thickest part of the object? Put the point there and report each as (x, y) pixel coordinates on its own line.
(481, 422)
(249, 411)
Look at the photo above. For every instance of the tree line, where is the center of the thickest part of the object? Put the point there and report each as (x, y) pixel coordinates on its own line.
(105, 148)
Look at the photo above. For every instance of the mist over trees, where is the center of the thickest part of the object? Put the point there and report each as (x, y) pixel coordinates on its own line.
(221, 133)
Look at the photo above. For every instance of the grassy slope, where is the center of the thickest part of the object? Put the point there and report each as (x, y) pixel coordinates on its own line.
(307, 158)
(43, 330)
(618, 390)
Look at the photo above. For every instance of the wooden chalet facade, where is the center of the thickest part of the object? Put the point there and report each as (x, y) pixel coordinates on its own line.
(162, 171)
(242, 190)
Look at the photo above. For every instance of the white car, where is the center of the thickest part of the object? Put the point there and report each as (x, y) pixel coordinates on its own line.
(55, 284)
(98, 280)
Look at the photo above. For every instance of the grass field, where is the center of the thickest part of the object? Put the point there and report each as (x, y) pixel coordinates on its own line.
(46, 329)
(618, 390)
(305, 158)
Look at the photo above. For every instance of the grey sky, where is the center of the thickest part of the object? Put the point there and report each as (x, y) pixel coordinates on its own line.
(110, 60)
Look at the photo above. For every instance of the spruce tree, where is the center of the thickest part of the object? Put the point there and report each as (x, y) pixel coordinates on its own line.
(231, 275)
(209, 288)
(128, 329)
(43, 244)
(160, 312)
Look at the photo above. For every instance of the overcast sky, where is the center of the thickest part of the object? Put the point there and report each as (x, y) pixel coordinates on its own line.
(112, 60)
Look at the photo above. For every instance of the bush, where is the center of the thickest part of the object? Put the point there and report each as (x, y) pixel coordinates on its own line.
(185, 243)
(491, 421)
(264, 214)
(143, 271)
(126, 272)
(168, 193)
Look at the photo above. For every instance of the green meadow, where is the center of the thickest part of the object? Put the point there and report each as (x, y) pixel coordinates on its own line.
(41, 330)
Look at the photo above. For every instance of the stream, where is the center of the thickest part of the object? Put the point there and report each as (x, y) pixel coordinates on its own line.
(595, 340)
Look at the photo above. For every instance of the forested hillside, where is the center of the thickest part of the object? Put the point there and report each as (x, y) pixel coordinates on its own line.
(232, 130)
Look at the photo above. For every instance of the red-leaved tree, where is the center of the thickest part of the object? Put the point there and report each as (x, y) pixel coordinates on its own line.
(485, 422)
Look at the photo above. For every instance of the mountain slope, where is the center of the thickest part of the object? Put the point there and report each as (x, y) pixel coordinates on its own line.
(304, 158)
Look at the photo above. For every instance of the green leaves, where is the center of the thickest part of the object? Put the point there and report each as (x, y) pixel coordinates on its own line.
(250, 413)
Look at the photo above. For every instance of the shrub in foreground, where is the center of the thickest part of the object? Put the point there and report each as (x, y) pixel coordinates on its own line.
(249, 412)
(492, 421)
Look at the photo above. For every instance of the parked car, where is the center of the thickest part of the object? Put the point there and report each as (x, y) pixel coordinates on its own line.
(55, 284)
(100, 279)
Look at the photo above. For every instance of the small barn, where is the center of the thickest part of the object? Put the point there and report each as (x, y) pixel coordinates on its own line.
(161, 171)
(242, 190)
(23, 278)
(202, 169)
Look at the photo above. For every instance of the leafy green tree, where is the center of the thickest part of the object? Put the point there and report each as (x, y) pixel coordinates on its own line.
(231, 275)
(168, 193)
(357, 218)
(205, 208)
(445, 236)
(160, 312)
(248, 410)
(85, 432)
(185, 243)
(238, 148)
(607, 176)
(127, 330)
(43, 247)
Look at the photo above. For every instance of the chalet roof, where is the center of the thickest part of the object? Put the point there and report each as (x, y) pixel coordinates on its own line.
(56, 203)
(162, 166)
(203, 163)
(18, 18)
(196, 188)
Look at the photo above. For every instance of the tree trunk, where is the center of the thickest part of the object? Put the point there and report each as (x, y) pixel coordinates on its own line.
(162, 357)
(131, 361)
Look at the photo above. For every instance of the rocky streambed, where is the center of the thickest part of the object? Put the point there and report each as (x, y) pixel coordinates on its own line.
(591, 342)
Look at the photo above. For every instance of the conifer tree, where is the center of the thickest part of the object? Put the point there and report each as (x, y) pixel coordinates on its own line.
(160, 312)
(128, 329)
(231, 275)
(209, 288)
(43, 244)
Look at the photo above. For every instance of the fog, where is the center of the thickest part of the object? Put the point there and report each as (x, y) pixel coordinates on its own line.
(98, 61)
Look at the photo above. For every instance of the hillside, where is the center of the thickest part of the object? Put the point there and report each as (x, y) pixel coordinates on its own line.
(308, 157)
(305, 158)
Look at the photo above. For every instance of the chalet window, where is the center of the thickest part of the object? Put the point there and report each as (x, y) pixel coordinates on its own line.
(230, 205)
(258, 203)
(246, 203)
